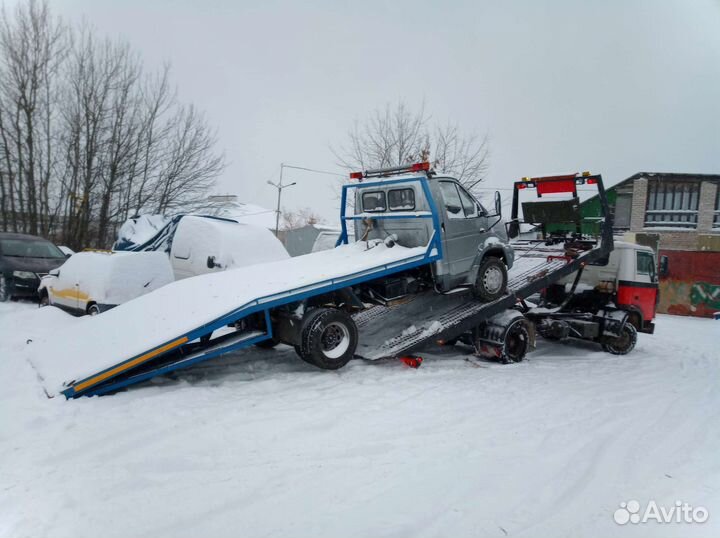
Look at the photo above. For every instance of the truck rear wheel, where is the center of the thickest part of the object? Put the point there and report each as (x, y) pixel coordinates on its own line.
(517, 342)
(329, 339)
(623, 344)
(491, 281)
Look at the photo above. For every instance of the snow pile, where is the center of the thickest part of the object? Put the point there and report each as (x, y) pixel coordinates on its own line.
(262, 444)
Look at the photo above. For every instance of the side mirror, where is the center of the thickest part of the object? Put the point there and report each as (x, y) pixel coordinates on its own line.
(54, 272)
(664, 268)
(454, 209)
(512, 228)
(67, 255)
(498, 204)
(211, 263)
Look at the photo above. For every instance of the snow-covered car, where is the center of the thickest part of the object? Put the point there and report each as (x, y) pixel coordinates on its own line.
(92, 282)
(199, 244)
(208, 244)
(66, 250)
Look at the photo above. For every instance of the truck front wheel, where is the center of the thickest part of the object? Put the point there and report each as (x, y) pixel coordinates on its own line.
(623, 344)
(329, 339)
(491, 281)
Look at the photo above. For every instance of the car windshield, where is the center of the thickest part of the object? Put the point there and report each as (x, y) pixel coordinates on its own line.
(23, 248)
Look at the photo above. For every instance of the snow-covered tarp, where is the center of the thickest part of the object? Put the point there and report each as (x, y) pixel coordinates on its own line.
(182, 306)
(137, 230)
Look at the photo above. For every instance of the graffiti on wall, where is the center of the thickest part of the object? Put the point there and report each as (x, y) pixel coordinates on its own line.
(705, 293)
(689, 299)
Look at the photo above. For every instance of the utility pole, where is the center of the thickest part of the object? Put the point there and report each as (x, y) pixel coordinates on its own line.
(279, 186)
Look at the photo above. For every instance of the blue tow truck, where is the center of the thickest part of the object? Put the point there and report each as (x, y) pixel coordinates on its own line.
(430, 264)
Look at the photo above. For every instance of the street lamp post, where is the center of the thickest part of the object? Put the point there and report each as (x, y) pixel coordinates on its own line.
(279, 186)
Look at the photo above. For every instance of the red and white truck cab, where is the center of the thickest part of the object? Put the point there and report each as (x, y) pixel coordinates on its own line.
(637, 284)
(627, 277)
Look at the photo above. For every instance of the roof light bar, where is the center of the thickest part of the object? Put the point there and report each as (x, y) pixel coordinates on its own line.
(384, 172)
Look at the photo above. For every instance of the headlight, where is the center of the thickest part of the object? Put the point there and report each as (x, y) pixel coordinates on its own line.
(24, 274)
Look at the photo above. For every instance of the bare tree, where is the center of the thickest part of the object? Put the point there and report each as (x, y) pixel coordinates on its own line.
(397, 135)
(88, 137)
(32, 47)
(297, 219)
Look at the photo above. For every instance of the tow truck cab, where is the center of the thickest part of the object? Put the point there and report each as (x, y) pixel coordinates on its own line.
(400, 210)
(627, 277)
(630, 276)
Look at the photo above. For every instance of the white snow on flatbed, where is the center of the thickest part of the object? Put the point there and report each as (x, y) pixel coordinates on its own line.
(261, 444)
(177, 308)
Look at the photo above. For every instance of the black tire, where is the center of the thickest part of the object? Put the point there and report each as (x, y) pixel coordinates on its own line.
(44, 300)
(4, 289)
(93, 310)
(491, 281)
(517, 342)
(329, 338)
(624, 344)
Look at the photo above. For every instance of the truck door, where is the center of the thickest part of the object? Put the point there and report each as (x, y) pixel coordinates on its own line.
(641, 289)
(463, 223)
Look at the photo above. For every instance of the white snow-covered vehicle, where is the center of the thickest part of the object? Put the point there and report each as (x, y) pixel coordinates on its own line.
(198, 244)
(96, 281)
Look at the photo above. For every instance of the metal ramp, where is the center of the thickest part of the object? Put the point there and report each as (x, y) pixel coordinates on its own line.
(438, 317)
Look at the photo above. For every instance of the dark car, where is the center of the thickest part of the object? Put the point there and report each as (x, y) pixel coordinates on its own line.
(23, 260)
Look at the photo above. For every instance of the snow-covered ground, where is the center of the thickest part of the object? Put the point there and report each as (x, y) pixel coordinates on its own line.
(261, 444)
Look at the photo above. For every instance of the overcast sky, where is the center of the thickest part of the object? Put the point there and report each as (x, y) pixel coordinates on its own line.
(615, 87)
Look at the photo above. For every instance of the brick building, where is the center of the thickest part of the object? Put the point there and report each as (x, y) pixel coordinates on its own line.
(679, 216)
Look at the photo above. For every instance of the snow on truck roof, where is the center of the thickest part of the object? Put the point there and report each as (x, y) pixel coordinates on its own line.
(168, 313)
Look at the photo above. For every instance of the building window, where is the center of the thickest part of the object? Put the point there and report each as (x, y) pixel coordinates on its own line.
(622, 210)
(672, 203)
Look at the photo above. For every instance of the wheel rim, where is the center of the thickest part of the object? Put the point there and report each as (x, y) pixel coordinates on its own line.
(335, 340)
(515, 344)
(93, 310)
(493, 279)
(622, 342)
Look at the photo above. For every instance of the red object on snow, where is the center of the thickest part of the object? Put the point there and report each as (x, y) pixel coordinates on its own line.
(412, 362)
